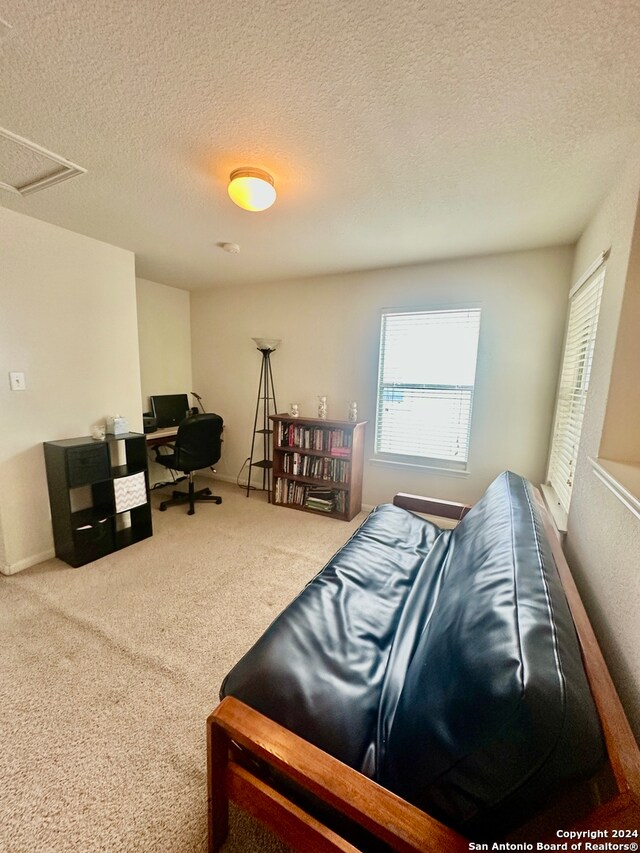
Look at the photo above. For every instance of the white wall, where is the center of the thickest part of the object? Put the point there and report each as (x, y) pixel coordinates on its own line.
(68, 320)
(164, 331)
(603, 539)
(330, 332)
(621, 435)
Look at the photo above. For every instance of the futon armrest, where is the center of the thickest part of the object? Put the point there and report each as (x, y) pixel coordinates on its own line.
(431, 506)
(379, 811)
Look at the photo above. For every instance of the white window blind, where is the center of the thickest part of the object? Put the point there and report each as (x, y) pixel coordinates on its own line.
(425, 386)
(574, 383)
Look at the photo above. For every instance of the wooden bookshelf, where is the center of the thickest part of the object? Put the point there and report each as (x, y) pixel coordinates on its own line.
(318, 463)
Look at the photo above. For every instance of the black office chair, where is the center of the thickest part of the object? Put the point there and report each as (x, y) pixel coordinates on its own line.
(197, 446)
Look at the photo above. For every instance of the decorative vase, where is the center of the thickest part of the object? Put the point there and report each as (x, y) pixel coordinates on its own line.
(295, 411)
(322, 407)
(353, 412)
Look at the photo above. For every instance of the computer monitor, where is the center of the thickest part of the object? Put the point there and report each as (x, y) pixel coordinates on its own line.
(169, 409)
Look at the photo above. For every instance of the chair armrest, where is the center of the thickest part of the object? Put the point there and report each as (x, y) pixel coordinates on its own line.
(398, 823)
(158, 447)
(431, 506)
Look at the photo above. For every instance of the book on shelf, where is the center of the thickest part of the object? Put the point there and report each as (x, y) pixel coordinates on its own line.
(321, 506)
(325, 439)
(341, 451)
(317, 498)
(316, 467)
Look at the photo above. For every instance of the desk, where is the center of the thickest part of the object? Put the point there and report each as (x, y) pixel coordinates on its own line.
(161, 436)
(156, 439)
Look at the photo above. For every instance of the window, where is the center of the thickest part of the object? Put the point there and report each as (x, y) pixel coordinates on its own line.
(425, 385)
(584, 307)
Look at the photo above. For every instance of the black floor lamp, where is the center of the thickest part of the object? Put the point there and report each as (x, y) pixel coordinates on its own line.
(266, 396)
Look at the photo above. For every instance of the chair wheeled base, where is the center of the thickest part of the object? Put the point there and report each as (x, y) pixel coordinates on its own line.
(190, 497)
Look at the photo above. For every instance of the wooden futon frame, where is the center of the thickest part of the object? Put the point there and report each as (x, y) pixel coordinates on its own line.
(242, 743)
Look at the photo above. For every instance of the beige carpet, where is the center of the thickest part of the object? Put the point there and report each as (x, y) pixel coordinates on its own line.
(109, 672)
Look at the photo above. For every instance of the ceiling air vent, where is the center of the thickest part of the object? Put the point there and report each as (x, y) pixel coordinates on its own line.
(28, 168)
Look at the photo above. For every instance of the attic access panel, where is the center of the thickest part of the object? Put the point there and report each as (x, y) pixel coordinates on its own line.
(26, 168)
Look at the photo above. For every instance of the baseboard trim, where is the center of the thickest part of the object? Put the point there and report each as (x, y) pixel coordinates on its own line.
(21, 565)
(226, 478)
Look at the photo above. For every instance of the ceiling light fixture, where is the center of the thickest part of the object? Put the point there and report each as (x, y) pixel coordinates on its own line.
(251, 189)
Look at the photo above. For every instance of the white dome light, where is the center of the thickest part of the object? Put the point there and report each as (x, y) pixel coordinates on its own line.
(251, 189)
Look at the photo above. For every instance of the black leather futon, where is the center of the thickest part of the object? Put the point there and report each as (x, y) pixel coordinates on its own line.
(443, 664)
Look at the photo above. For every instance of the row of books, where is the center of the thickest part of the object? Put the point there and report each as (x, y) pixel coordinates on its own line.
(311, 497)
(342, 452)
(312, 438)
(318, 467)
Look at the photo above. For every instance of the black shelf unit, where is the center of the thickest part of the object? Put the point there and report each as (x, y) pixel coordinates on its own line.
(87, 471)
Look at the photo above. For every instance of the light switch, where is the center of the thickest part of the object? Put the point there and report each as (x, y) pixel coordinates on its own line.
(16, 380)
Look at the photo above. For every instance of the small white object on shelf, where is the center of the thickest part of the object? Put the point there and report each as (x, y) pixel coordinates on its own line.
(322, 407)
(117, 425)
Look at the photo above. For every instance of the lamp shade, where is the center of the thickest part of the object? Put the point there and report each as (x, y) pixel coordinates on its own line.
(251, 189)
(270, 344)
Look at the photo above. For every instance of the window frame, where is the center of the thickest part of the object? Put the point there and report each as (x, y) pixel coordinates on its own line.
(572, 396)
(442, 465)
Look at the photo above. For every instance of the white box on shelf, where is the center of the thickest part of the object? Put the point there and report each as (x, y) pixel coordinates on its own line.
(117, 425)
(130, 492)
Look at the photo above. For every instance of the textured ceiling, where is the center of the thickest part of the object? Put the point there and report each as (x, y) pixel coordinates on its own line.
(396, 133)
